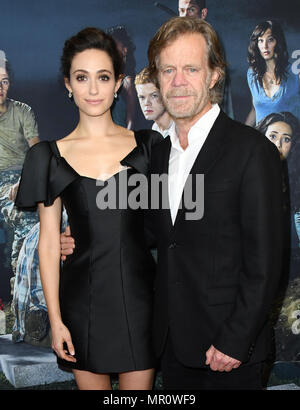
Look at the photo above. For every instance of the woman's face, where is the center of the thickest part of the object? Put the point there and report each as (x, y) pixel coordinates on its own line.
(4, 85)
(280, 133)
(266, 45)
(92, 82)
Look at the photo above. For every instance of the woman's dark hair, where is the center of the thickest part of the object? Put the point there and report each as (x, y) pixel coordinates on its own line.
(120, 34)
(256, 61)
(90, 38)
(290, 167)
(283, 116)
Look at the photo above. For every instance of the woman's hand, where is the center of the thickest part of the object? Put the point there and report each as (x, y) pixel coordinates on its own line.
(61, 335)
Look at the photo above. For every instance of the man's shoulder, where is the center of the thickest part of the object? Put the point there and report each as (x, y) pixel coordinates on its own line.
(19, 106)
(242, 132)
(245, 138)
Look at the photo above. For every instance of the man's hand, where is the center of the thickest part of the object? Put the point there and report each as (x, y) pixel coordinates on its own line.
(219, 361)
(67, 244)
(13, 191)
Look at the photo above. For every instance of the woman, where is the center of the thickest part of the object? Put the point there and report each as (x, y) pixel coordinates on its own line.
(100, 305)
(273, 85)
(283, 130)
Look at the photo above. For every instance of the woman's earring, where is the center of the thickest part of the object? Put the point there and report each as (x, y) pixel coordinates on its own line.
(115, 95)
(70, 94)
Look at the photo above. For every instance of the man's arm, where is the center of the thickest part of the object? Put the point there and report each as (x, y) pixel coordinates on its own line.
(261, 231)
(67, 244)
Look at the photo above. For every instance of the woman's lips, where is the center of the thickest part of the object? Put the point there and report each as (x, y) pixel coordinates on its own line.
(93, 102)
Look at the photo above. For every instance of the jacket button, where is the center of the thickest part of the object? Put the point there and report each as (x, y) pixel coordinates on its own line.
(173, 245)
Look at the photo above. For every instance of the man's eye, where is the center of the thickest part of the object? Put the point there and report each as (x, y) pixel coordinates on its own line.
(141, 97)
(287, 140)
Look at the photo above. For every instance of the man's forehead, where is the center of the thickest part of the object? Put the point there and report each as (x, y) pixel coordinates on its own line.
(150, 87)
(186, 43)
(186, 3)
(3, 72)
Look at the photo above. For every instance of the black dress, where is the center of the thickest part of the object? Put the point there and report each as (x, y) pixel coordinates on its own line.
(106, 285)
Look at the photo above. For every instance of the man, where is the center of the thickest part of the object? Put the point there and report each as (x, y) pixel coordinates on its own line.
(198, 9)
(151, 103)
(18, 132)
(217, 276)
(192, 8)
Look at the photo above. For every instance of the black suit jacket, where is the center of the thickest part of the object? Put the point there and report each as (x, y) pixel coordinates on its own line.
(217, 276)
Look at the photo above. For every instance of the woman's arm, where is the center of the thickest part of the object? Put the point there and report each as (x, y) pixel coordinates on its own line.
(251, 118)
(49, 262)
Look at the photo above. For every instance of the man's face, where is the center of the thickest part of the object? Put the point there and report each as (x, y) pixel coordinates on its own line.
(188, 8)
(4, 85)
(184, 76)
(150, 101)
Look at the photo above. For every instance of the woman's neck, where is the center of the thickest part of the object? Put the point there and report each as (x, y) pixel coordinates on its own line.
(270, 66)
(95, 127)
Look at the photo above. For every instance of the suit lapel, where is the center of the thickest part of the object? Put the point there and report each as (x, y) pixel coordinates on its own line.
(163, 167)
(209, 154)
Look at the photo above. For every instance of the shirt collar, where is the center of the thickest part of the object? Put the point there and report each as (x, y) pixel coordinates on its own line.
(198, 131)
(165, 132)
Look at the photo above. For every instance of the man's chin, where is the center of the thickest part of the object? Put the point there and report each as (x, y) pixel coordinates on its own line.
(177, 114)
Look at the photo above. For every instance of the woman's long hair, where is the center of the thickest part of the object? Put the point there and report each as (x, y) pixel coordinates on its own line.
(257, 62)
(291, 168)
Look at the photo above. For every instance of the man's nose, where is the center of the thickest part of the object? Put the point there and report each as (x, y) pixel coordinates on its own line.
(147, 101)
(179, 79)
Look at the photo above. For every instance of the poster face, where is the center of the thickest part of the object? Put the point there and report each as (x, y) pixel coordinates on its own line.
(34, 103)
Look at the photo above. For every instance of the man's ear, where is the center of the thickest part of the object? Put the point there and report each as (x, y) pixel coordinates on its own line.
(214, 78)
(203, 14)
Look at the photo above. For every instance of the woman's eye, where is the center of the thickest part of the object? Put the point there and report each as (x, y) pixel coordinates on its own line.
(80, 78)
(287, 140)
(272, 136)
(104, 77)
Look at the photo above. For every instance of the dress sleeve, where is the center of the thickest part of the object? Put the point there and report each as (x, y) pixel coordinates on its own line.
(43, 177)
(139, 157)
